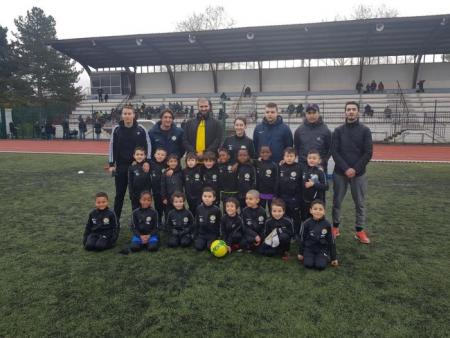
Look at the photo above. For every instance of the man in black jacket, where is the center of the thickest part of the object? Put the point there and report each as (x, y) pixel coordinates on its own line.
(313, 134)
(203, 133)
(352, 151)
(125, 137)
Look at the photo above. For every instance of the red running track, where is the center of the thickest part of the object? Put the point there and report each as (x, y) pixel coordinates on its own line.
(382, 152)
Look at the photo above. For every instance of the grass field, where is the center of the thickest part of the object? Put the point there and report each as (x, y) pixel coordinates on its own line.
(399, 286)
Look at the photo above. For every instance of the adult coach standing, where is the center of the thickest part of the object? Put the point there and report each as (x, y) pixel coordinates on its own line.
(203, 133)
(313, 134)
(165, 134)
(272, 132)
(352, 151)
(125, 137)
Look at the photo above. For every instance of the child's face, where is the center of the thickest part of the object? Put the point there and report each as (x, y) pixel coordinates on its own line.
(191, 162)
(265, 153)
(231, 209)
(145, 201)
(172, 163)
(208, 198)
(101, 203)
(139, 156)
(160, 156)
(243, 156)
(209, 163)
(313, 160)
(277, 212)
(251, 201)
(224, 157)
(178, 203)
(289, 158)
(317, 211)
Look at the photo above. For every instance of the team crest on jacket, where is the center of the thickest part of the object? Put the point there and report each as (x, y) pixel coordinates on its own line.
(261, 218)
(230, 168)
(268, 172)
(197, 176)
(138, 133)
(174, 138)
(324, 231)
(185, 220)
(105, 220)
(94, 221)
(247, 177)
(148, 219)
(212, 218)
(214, 177)
(293, 174)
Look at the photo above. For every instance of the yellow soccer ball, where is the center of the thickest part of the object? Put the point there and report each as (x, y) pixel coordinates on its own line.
(219, 248)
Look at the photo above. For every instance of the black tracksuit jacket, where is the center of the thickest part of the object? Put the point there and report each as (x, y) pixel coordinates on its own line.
(231, 228)
(317, 191)
(227, 177)
(180, 222)
(246, 176)
(267, 177)
(144, 221)
(290, 181)
(193, 182)
(254, 220)
(138, 180)
(207, 221)
(157, 170)
(316, 237)
(102, 222)
(170, 184)
(211, 179)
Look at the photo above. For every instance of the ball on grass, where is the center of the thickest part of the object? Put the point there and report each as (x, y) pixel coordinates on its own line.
(81, 172)
(219, 248)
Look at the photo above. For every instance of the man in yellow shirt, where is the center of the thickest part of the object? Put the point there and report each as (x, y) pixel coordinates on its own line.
(203, 133)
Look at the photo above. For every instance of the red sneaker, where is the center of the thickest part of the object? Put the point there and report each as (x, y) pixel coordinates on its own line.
(335, 231)
(361, 236)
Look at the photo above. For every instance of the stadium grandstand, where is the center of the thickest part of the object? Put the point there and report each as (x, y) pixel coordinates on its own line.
(289, 64)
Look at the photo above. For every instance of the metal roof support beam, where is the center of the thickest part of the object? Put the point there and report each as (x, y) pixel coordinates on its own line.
(361, 68)
(417, 62)
(214, 75)
(309, 75)
(260, 76)
(172, 79)
(86, 68)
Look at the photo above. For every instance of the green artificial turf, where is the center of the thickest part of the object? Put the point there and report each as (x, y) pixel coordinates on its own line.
(399, 286)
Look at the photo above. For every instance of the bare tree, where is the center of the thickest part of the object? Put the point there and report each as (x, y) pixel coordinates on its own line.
(212, 18)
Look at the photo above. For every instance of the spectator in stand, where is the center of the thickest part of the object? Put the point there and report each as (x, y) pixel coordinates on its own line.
(100, 94)
(313, 134)
(368, 111)
(97, 129)
(203, 133)
(239, 140)
(66, 131)
(373, 86)
(381, 87)
(82, 128)
(367, 91)
(248, 92)
(387, 112)
(359, 87)
(106, 98)
(300, 110)
(191, 112)
(420, 84)
(272, 132)
(290, 109)
(166, 135)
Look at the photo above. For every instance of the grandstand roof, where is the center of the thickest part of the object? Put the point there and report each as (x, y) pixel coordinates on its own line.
(355, 38)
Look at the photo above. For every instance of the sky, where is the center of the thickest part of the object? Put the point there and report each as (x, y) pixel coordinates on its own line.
(78, 19)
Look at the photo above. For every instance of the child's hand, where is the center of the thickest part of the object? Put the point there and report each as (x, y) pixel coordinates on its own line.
(165, 201)
(257, 240)
(334, 263)
(300, 258)
(229, 249)
(169, 172)
(146, 167)
(234, 168)
(144, 238)
(309, 184)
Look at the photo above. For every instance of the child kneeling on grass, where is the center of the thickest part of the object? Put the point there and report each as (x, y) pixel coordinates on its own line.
(317, 246)
(179, 222)
(278, 232)
(145, 225)
(231, 228)
(207, 221)
(102, 229)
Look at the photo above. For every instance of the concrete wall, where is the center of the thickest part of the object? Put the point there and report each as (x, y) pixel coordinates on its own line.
(437, 75)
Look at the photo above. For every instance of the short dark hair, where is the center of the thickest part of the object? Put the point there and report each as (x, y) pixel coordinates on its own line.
(101, 194)
(314, 151)
(264, 148)
(289, 150)
(223, 150)
(232, 200)
(317, 202)
(178, 194)
(240, 119)
(272, 105)
(140, 149)
(145, 192)
(161, 148)
(191, 155)
(209, 155)
(351, 102)
(130, 106)
(209, 189)
(172, 156)
(279, 203)
(167, 110)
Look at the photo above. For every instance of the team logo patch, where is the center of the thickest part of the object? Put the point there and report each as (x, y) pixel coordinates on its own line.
(138, 133)
(197, 176)
(261, 218)
(230, 168)
(105, 220)
(214, 177)
(200, 219)
(268, 172)
(247, 177)
(94, 221)
(174, 138)
(324, 231)
(185, 220)
(148, 219)
(293, 174)
(212, 218)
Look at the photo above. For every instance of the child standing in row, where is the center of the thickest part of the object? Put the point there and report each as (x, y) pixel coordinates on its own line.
(211, 173)
(157, 169)
(231, 227)
(171, 183)
(138, 179)
(193, 182)
(227, 176)
(246, 175)
(267, 177)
